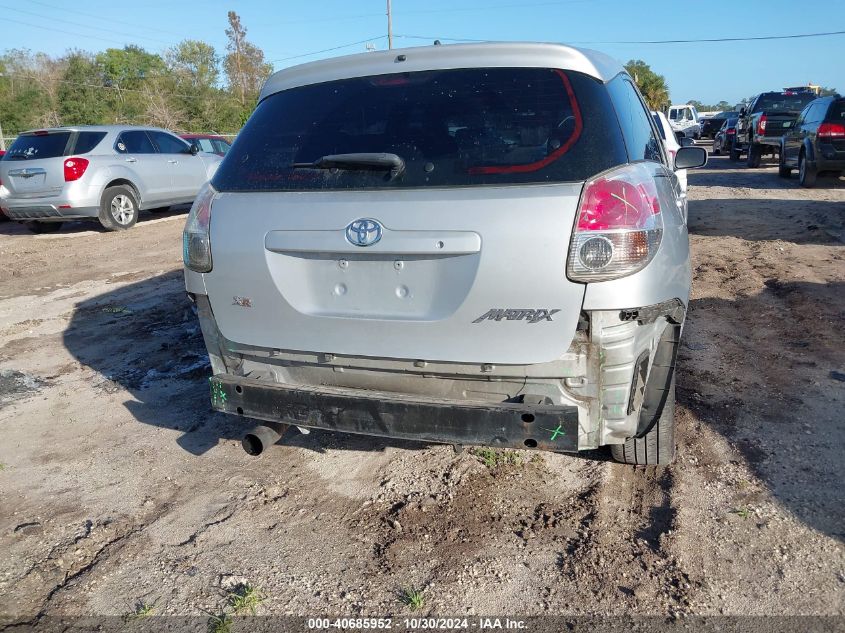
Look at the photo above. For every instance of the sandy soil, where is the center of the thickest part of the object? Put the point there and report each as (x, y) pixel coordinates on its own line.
(119, 487)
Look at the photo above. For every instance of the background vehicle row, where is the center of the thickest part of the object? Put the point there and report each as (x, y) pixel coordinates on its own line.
(108, 173)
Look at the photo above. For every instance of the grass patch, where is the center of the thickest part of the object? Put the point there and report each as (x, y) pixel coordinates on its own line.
(2, 466)
(142, 610)
(742, 513)
(245, 597)
(493, 458)
(412, 598)
(220, 623)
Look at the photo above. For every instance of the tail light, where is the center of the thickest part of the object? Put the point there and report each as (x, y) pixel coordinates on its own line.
(831, 131)
(619, 225)
(761, 125)
(730, 131)
(74, 168)
(196, 239)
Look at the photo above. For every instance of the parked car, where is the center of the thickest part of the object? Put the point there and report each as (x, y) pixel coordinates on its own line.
(816, 143)
(109, 173)
(455, 244)
(684, 120)
(671, 143)
(760, 125)
(724, 139)
(210, 143)
(711, 125)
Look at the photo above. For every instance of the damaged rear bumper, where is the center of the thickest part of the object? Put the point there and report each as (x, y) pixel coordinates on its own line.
(511, 425)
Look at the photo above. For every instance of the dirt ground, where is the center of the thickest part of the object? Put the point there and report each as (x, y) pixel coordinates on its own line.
(119, 488)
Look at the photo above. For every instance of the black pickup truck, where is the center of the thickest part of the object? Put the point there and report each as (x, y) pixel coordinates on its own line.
(764, 121)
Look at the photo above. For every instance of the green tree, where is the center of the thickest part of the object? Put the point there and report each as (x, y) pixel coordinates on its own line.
(124, 73)
(828, 92)
(652, 86)
(195, 64)
(81, 94)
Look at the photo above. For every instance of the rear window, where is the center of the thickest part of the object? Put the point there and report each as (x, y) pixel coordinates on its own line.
(37, 146)
(451, 127)
(775, 101)
(836, 111)
(86, 141)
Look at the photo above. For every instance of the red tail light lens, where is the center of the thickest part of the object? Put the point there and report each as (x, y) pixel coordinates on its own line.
(730, 131)
(75, 168)
(619, 225)
(831, 131)
(761, 125)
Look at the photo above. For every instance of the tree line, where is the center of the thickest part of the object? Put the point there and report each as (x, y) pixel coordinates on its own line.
(189, 87)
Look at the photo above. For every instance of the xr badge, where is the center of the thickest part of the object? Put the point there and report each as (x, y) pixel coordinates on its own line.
(510, 314)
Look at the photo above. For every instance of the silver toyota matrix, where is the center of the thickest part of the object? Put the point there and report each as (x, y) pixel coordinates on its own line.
(470, 244)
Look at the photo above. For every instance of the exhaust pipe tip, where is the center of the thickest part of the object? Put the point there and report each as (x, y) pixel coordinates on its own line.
(258, 439)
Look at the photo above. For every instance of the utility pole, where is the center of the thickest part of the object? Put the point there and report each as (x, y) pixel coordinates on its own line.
(389, 26)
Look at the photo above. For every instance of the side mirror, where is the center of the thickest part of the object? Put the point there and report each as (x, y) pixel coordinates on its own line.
(679, 136)
(690, 158)
(687, 142)
(194, 149)
(742, 112)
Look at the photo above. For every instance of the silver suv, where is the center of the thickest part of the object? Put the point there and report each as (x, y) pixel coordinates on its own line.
(470, 244)
(105, 172)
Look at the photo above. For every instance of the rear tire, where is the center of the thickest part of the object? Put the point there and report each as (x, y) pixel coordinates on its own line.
(783, 170)
(755, 155)
(119, 208)
(43, 227)
(806, 173)
(657, 446)
(735, 153)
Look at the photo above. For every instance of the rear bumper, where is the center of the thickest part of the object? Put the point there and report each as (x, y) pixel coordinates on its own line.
(50, 209)
(511, 425)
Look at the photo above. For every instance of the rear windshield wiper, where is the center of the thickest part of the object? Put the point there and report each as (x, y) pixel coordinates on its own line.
(360, 160)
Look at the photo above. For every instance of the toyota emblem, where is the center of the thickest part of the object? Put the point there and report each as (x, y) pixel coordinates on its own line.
(363, 232)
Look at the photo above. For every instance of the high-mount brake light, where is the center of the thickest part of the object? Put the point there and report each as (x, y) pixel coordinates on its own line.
(831, 131)
(619, 225)
(196, 238)
(74, 168)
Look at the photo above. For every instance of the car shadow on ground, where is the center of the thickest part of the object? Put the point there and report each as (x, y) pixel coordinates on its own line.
(787, 425)
(773, 389)
(75, 227)
(723, 172)
(759, 219)
(164, 367)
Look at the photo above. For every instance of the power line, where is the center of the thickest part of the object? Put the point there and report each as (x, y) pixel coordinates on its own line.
(327, 50)
(690, 41)
(341, 18)
(50, 28)
(84, 26)
(725, 39)
(101, 18)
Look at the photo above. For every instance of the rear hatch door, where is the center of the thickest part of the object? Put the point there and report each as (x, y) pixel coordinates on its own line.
(470, 261)
(485, 284)
(34, 165)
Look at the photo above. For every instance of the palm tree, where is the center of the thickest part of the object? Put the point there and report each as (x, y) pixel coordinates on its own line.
(652, 86)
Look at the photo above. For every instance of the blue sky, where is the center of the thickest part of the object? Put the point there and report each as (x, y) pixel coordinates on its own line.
(287, 29)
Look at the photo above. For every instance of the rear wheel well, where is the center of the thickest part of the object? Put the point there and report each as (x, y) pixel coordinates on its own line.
(123, 181)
